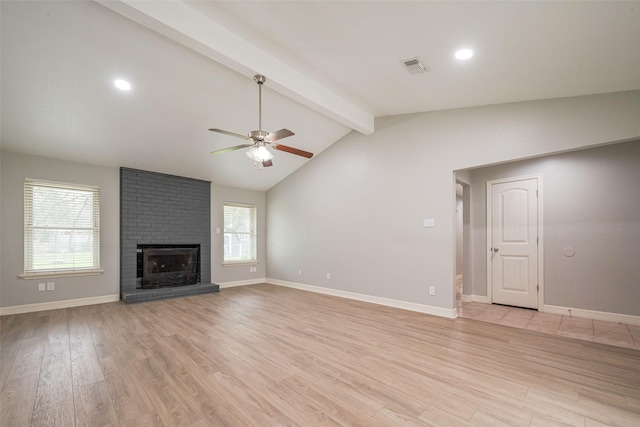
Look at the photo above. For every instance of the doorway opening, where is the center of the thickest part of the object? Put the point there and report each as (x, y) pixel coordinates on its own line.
(462, 243)
(475, 257)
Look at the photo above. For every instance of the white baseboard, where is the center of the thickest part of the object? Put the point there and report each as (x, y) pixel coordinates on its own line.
(592, 314)
(475, 298)
(241, 283)
(480, 298)
(451, 313)
(30, 308)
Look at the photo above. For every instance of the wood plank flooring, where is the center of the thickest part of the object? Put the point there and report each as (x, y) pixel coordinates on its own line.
(264, 355)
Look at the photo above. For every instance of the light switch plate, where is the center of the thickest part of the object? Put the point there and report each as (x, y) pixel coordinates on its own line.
(428, 222)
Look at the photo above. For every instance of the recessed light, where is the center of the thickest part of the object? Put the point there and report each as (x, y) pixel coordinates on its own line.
(122, 84)
(464, 54)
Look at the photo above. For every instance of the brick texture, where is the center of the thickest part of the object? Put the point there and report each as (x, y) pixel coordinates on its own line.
(163, 209)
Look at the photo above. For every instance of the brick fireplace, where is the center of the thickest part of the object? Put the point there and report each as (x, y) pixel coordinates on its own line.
(165, 236)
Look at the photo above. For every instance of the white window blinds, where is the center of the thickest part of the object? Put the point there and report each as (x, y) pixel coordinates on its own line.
(61, 227)
(239, 233)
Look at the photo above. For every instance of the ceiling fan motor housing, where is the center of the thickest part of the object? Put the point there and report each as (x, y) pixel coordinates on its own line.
(258, 135)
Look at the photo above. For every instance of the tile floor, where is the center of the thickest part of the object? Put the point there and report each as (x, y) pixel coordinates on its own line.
(612, 333)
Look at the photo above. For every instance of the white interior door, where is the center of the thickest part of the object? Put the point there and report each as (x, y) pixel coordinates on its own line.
(513, 252)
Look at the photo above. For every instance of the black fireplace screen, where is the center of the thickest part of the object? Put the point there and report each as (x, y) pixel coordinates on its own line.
(168, 265)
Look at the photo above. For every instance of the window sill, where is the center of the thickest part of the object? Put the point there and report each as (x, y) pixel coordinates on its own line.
(52, 274)
(232, 263)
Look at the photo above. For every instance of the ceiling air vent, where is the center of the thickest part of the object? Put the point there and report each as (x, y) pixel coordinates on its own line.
(415, 66)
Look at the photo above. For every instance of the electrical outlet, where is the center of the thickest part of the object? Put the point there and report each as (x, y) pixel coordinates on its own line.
(42, 286)
(300, 272)
(51, 286)
(328, 276)
(432, 290)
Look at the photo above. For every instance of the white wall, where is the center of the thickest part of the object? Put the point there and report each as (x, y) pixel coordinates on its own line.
(15, 291)
(356, 210)
(591, 203)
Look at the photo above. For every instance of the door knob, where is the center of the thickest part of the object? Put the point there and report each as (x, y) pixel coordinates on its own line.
(494, 249)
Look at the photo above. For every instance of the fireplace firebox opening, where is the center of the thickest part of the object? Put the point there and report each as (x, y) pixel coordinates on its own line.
(167, 265)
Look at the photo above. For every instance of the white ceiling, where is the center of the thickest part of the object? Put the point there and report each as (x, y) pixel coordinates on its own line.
(331, 67)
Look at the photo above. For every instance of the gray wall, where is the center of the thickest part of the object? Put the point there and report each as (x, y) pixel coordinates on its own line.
(219, 273)
(464, 178)
(15, 291)
(459, 234)
(1, 229)
(356, 210)
(591, 202)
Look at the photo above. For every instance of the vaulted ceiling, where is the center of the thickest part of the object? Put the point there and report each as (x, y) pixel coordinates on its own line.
(331, 68)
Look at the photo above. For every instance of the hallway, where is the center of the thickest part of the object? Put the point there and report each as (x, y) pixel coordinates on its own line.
(611, 333)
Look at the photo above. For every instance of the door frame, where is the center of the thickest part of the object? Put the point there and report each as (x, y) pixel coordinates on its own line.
(488, 200)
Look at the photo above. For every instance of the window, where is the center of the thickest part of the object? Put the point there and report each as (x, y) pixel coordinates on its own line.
(61, 228)
(239, 233)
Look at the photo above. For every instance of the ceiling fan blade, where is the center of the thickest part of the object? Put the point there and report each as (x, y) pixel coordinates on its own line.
(279, 134)
(267, 163)
(226, 150)
(292, 150)
(226, 132)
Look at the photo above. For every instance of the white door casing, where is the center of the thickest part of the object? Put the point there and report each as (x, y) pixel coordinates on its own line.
(514, 242)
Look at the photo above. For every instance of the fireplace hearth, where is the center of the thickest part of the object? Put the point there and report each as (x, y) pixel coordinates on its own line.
(161, 266)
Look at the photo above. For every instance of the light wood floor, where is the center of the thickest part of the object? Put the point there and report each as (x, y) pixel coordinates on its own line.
(265, 355)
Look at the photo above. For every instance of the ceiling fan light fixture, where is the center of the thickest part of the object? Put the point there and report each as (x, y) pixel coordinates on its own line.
(259, 154)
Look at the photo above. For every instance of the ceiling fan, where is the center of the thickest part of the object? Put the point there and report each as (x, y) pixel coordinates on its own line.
(259, 139)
